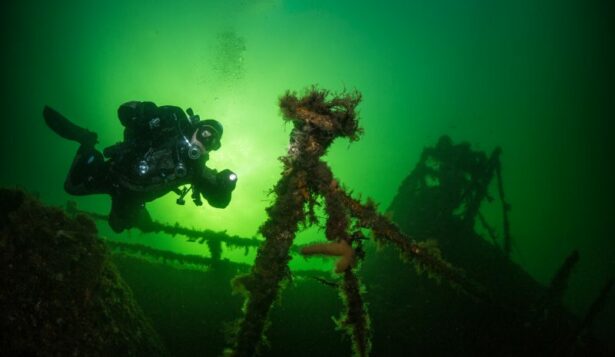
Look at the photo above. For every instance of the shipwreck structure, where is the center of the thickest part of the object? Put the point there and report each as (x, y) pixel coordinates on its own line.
(441, 200)
(60, 294)
(318, 118)
(63, 295)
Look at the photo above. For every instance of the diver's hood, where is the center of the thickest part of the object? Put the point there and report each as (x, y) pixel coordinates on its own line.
(209, 132)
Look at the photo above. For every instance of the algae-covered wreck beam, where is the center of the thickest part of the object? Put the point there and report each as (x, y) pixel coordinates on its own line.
(164, 255)
(559, 283)
(505, 210)
(212, 238)
(197, 261)
(426, 255)
(318, 119)
(316, 123)
(356, 320)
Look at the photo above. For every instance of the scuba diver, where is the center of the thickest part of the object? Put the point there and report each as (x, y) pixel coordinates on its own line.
(163, 149)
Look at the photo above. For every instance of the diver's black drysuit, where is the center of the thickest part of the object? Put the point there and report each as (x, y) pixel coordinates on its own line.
(155, 157)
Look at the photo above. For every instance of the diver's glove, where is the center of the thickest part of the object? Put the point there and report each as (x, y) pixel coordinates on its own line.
(226, 180)
(216, 187)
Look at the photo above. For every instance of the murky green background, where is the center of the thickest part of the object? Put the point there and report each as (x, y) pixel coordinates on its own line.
(533, 77)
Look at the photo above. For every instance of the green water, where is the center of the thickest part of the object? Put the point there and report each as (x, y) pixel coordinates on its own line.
(531, 77)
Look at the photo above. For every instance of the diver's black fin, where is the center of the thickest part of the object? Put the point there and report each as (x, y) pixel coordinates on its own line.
(67, 129)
